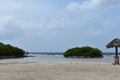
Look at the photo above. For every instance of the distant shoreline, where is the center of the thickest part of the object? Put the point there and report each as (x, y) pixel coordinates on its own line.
(61, 53)
(11, 57)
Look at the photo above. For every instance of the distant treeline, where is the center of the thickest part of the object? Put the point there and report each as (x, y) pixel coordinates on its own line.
(61, 53)
(47, 53)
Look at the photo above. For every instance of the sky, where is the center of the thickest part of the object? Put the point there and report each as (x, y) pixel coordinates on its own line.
(57, 25)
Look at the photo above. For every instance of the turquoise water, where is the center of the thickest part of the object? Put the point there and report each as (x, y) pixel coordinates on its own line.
(60, 58)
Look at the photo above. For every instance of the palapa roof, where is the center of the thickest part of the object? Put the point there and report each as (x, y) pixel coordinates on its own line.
(114, 43)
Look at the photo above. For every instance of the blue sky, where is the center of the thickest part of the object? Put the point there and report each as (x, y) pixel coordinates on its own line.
(57, 25)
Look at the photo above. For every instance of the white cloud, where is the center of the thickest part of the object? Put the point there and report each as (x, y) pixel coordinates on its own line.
(44, 27)
(10, 7)
(31, 24)
(9, 11)
(91, 4)
(5, 18)
(10, 31)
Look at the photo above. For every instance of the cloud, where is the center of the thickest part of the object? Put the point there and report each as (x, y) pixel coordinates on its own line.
(10, 7)
(110, 2)
(85, 5)
(43, 27)
(91, 4)
(9, 10)
(10, 31)
(44, 21)
(8, 27)
(28, 22)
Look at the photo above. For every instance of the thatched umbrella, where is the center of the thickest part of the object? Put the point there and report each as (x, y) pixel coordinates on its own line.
(115, 43)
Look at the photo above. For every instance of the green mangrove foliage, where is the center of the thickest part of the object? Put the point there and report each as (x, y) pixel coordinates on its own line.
(83, 52)
(6, 51)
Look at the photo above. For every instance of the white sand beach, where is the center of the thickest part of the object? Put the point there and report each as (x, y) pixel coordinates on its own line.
(59, 71)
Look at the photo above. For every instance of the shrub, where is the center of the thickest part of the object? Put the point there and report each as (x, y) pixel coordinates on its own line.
(83, 52)
(7, 50)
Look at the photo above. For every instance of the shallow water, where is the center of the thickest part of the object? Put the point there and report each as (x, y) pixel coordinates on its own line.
(59, 58)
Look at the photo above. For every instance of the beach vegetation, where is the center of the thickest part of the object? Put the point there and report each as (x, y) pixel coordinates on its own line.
(9, 51)
(83, 52)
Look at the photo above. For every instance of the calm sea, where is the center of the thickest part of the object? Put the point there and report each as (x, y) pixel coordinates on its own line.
(58, 57)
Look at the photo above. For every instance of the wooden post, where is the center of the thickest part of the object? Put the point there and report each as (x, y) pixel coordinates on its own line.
(116, 50)
(116, 56)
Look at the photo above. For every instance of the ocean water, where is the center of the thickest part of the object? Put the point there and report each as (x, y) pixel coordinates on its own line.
(58, 58)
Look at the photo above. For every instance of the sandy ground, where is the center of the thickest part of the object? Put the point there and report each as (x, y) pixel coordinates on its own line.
(59, 71)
